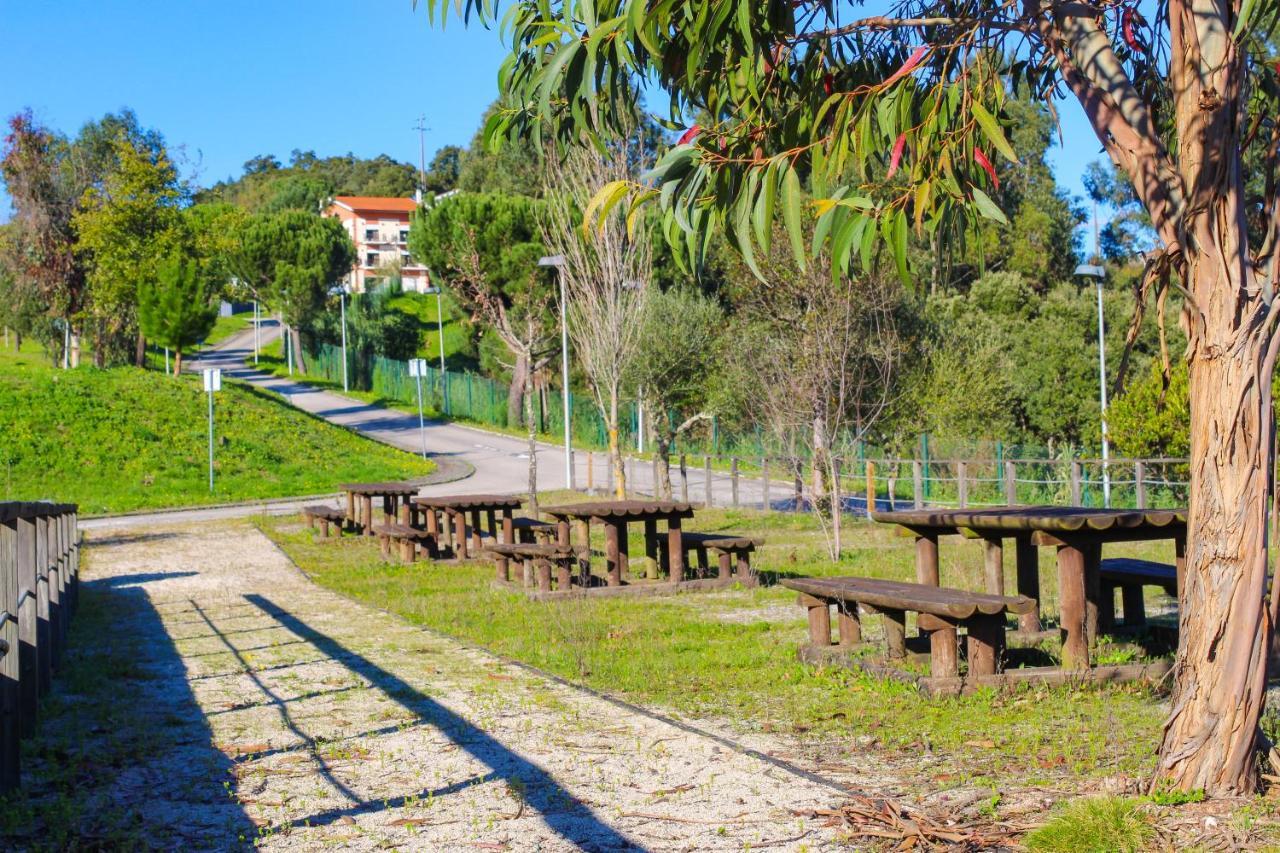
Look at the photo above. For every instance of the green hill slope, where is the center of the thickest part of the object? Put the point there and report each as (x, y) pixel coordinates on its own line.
(126, 439)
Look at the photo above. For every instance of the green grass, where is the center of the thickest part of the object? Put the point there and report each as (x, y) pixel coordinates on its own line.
(128, 439)
(457, 340)
(731, 655)
(1095, 825)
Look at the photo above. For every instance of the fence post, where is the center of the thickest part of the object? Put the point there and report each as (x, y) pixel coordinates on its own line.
(962, 483)
(706, 478)
(10, 719)
(917, 483)
(1010, 483)
(44, 636)
(733, 481)
(684, 479)
(764, 472)
(1075, 482)
(1140, 482)
(871, 486)
(28, 629)
(591, 483)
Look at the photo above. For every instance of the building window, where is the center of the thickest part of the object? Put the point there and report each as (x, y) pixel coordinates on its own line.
(370, 235)
(370, 259)
(404, 235)
(404, 259)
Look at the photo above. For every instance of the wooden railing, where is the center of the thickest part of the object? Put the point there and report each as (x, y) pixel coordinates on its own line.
(39, 571)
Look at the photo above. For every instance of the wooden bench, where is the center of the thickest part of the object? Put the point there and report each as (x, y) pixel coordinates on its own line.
(407, 538)
(729, 549)
(324, 516)
(941, 611)
(537, 561)
(1130, 576)
(531, 531)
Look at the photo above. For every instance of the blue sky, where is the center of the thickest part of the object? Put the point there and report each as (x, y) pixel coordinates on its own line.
(229, 80)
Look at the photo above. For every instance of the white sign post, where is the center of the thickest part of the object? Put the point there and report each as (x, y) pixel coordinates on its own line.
(418, 369)
(212, 382)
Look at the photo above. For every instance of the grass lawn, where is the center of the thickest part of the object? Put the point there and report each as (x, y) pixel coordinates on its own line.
(730, 656)
(127, 439)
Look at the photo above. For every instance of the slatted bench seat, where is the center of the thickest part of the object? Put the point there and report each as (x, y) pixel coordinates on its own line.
(407, 538)
(941, 611)
(532, 531)
(730, 550)
(323, 516)
(1130, 576)
(537, 561)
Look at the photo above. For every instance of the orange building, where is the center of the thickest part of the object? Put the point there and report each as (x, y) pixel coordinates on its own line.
(379, 228)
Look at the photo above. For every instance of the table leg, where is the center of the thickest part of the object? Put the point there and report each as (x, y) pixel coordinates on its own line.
(581, 532)
(562, 533)
(352, 521)
(651, 538)
(366, 507)
(1028, 559)
(927, 558)
(1180, 562)
(611, 553)
(406, 512)
(850, 626)
(388, 509)
(986, 644)
(491, 518)
(819, 610)
(895, 632)
(1092, 590)
(675, 549)
(459, 533)
(1071, 607)
(508, 528)
(624, 552)
(993, 565)
(475, 530)
(944, 653)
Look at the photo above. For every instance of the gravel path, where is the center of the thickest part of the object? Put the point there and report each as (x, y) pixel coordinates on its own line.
(281, 712)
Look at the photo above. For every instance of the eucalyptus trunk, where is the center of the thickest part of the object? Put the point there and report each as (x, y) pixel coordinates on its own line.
(615, 450)
(662, 464)
(521, 388)
(532, 427)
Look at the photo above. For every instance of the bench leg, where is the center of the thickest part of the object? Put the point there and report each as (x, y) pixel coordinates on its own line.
(324, 528)
(704, 565)
(544, 576)
(895, 633)
(504, 569)
(564, 573)
(526, 572)
(651, 538)
(384, 545)
(1135, 612)
(819, 620)
(1107, 606)
(408, 550)
(726, 566)
(944, 655)
(993, 566)
(612, 554)
(1071, 608)
(848, 623)
(744, 566)
(1028, 562)
(311, 521)
(460, 535)
(986, 644)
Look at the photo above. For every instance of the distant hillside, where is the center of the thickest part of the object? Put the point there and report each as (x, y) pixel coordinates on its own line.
(125, 439)
(268, 185)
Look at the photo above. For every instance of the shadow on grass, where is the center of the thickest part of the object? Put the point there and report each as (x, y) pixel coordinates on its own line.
(562, 813)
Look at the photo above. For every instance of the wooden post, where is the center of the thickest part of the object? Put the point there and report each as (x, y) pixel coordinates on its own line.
(405, 514)
(1140, 483)
(871, 487)
(28, 626)
(917, 484)
(581, 532)
(1075, 482)
(1092, 590)
(44, 637)
(684, 479)
(612, 570)
(57, 616)
(1010, 483)
(544, 575)
(733, 480)
(459, 534)
(508, 527)
(651, 538)
(962, 483)
(1071, 605)
(927, 558)
(591, 485)
(1135, 612)
(895, 633)
(849, 625)
(819, 620)
(10, 699)
(986, 644)
(624, 552)
(764, 473)
(1028, 567)
(475, 530)
(706, 480)
(675, 549)
(993, 566)
(351, 509)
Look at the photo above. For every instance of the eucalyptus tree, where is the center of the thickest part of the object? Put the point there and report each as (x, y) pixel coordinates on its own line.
(819, 104)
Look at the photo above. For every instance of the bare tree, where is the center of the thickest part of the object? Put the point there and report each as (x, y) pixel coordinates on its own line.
(607, 270)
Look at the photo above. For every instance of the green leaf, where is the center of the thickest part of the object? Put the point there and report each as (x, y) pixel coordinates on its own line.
(987, 207)
(791, 201)
(993, 131)
(900, 229)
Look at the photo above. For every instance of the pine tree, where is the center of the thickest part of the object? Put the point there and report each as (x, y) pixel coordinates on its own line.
(176, 308)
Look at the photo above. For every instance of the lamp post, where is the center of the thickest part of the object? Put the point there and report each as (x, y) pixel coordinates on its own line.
(212, 383)
(557, 261)
(1099, 274)
(444, 374)
(341, 292)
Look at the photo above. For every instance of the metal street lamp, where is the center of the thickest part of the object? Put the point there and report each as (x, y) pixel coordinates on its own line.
(1099, 275)
(341, 292)
(444, 374)
(557, 261)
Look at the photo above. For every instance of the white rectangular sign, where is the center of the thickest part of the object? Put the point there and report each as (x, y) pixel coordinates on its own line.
(212, 379)
(417, 367)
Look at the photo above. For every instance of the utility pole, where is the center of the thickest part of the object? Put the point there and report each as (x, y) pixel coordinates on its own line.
(422, 128)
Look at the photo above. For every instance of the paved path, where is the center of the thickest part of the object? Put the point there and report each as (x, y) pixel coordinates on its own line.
(256, 704)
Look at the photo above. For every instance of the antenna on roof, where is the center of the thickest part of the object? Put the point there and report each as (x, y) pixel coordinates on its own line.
(422, 128)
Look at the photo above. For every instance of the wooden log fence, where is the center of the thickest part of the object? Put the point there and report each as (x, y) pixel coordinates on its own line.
(39, 592)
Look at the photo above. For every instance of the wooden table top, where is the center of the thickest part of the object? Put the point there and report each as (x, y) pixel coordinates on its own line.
(1046, 519)
(633, 510)
(379, 488)
(482, 502)
(922, 598)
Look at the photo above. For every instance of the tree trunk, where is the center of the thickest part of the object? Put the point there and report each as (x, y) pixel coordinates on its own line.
(73, 360)
(532, 426)
(140, 352)
(615, 451)
(177, 362)
(520, 387)
(296, 337)
(662, 470)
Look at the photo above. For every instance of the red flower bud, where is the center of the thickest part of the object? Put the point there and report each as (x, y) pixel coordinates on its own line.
(916, 57)
(986, 166)
(1126, 25)
(896, 157)
(828, 83)
(689, 134)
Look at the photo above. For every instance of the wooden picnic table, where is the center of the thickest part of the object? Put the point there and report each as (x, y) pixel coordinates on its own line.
(615, 516)
(456, 509)
(1078, 534)
(359, 501)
